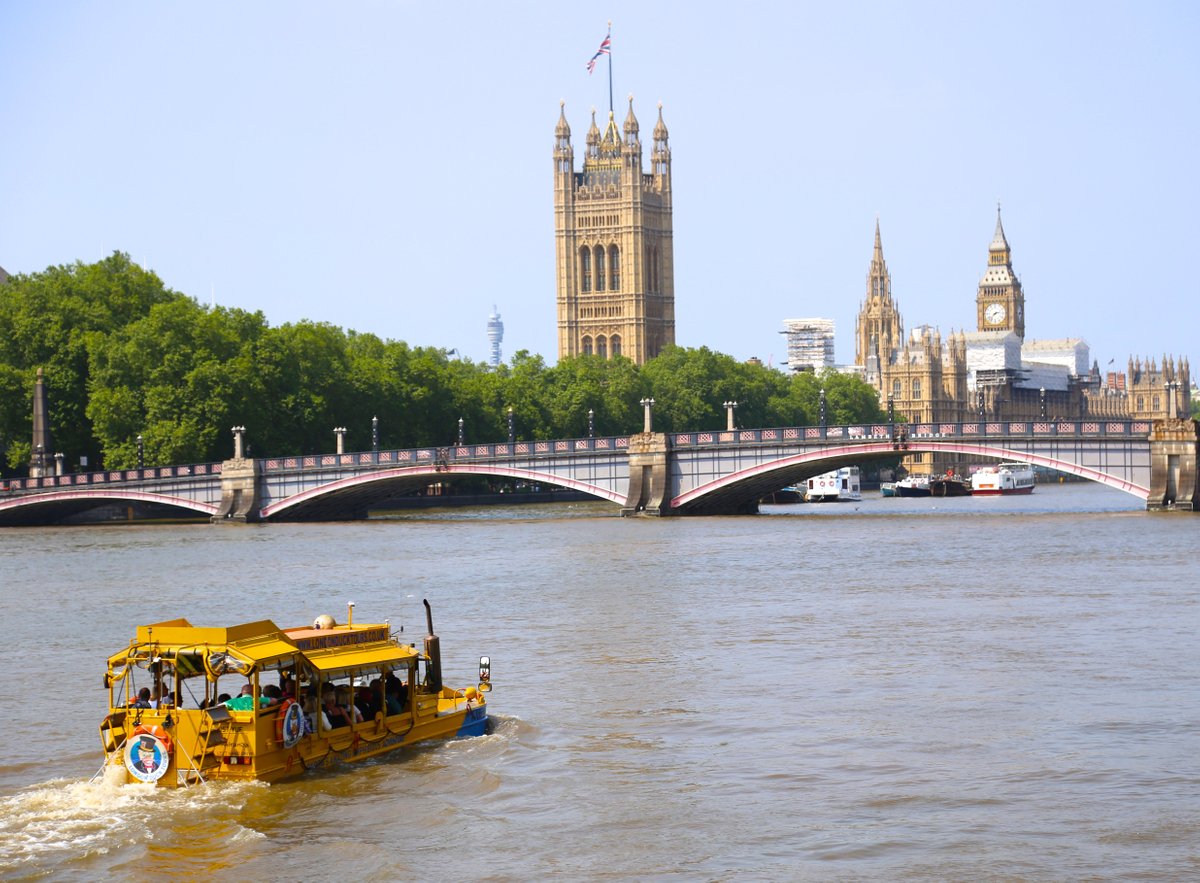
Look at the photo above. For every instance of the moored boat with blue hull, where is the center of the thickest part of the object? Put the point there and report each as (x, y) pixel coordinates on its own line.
(913, 486)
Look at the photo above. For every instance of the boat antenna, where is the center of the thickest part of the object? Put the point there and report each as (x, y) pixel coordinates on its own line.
(350, 614)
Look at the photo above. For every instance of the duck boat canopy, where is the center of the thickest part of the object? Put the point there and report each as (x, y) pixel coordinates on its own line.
(253, 701)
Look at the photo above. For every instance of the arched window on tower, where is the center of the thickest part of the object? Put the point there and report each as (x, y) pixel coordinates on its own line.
(614, 269)
(916, 388)
(585, 267)
(601, 347)
(587, 346)
(896, 388)
(614, 343)
(1155, 403)
(599, 267)
(654, 270)
(1141, 403)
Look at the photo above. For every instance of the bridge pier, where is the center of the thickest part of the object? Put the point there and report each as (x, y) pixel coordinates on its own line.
(240, 498)
(1174, 482)
(649, 476)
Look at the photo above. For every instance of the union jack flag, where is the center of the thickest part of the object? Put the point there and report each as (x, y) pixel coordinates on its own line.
(605, 49)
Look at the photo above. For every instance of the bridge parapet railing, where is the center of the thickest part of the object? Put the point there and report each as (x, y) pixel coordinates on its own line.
(454, 453)
(867, 433)
(110, 477)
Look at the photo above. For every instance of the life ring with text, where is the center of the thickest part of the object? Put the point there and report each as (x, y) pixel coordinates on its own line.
(289, 726)
(148, 752)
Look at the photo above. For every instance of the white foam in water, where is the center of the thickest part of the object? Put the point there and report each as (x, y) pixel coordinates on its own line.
(96, 816)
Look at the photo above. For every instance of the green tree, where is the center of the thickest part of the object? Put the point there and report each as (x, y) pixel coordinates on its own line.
(49, 318)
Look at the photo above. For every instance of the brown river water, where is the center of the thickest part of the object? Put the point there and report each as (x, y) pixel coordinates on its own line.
(962, 689)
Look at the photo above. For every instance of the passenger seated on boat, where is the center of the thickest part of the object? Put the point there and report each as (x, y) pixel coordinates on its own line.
(223, 698)
(244, 701)
(345, 700)
(396, 696)
(143, 699)
(312, 715)
(335, 715)
(273, 693)
(365, 702)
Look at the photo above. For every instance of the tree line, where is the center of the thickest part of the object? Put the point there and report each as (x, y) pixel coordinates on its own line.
(124, 356)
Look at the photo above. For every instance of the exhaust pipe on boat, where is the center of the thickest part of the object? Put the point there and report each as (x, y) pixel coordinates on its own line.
(433, 674)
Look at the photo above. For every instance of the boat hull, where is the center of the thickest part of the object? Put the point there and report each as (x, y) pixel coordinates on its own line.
(1001, 492)
(948, 488)
(249, 749)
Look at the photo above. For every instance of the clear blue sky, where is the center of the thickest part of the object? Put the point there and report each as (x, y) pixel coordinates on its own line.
(386, 166)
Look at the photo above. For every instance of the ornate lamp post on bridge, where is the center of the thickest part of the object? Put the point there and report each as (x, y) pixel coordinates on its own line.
(591, 423)
(461, 436)
(729, 408)
(979, 403)
(1042, 402)
(822, 413)
(647, 404)
(512, 435)
(58, 463)
(238, 432)
(375, 434)
(891, 415)
(141, 451)
(340, 432)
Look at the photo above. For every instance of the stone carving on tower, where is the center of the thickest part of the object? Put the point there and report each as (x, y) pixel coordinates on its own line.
(613, 242)
(1000, 302)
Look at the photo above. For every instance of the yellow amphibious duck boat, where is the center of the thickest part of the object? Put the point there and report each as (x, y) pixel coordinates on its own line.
(301, 698)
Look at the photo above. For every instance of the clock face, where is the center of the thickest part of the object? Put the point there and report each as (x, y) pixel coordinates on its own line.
(994, 313)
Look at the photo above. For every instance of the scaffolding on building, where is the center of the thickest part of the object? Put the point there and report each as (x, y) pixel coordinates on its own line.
(809, 344)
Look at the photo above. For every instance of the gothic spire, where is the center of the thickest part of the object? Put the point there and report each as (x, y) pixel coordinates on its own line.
(999, 242)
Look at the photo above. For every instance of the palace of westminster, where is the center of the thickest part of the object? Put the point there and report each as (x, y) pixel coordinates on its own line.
(616, 296)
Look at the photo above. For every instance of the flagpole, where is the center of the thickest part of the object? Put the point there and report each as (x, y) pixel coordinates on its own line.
(611, 109)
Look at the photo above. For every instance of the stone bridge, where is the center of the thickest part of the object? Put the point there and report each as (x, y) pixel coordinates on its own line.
(691, 473)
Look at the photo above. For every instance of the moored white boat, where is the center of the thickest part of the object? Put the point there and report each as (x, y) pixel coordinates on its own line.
(1002, 480)
(830, 487)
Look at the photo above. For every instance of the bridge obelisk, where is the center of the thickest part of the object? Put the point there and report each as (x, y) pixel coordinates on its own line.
(42, 441)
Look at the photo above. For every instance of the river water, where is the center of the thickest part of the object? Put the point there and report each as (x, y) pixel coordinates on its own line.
(892, 689)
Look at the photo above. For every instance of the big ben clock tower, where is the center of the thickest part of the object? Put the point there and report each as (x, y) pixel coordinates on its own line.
(1000, 303)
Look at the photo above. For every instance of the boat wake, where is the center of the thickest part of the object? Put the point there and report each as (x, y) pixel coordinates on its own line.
(69, 821)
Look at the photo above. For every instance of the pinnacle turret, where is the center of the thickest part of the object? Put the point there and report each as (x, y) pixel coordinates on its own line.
(631, 123)
(660, 128)
(562, 131)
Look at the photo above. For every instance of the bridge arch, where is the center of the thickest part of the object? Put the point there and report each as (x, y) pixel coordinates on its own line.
(740, 490)
(50, 508)
(359, 492)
